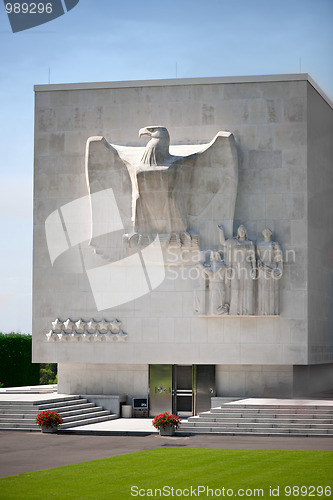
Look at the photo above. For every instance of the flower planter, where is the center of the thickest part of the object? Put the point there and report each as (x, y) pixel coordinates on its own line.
(166, 423)
(167, 431)
(51, 429)
(49, 421)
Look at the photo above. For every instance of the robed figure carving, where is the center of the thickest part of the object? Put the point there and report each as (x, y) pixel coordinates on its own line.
(270, 270)
(163, 189)
(210, 300)
(239, 255)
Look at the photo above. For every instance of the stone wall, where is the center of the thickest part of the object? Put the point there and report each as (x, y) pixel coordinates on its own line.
(320, 223)
(107, 379)
(254, 380)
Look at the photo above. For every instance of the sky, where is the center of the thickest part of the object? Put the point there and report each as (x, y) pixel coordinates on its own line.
(106, 40)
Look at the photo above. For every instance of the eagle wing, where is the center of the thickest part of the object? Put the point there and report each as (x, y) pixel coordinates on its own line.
(206, 187)
(110, 190)
(203, 187)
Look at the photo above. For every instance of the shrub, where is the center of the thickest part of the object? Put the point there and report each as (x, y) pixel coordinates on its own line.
(48, 373)
(16, 368)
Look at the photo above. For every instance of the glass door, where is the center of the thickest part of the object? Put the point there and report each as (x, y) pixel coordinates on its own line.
(183, 390)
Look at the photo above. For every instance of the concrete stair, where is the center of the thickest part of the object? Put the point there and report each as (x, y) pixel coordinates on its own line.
(75, 411)
(39, 389)
(268, 420)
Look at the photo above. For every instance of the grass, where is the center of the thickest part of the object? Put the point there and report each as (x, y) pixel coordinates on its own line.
(112, 478)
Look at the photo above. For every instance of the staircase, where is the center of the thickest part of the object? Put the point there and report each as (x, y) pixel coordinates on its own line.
(75, 411)
(263, 420)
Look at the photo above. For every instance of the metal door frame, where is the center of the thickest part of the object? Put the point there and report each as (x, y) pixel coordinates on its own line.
(181, 392)
(172, 390)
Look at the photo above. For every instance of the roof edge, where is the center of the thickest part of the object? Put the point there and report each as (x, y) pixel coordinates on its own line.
(320, 91)
(183, 81)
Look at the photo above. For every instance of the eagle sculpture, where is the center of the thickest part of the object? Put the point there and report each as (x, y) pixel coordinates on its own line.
(180, 190)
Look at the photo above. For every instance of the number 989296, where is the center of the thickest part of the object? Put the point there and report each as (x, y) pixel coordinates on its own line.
(307, 491)
(28, 8)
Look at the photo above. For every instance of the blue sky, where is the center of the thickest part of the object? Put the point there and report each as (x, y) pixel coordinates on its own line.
(106, 40)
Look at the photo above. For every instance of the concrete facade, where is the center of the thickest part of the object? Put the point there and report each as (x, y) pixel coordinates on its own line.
(283, 128)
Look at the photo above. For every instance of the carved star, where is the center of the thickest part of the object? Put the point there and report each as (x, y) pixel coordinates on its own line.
(57, 325)
(80, 326)
(51, 336)
(122, 337)
(68, 326)
(63, 337)
(98, 337)
(86, 337)
(103, 326)
(91, 326)
(74, 337)
(115, 325)
(110, 337)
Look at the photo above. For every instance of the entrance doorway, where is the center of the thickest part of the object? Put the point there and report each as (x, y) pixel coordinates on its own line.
(181, 389)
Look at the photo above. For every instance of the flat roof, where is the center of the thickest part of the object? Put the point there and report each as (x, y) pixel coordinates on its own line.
(183, 81)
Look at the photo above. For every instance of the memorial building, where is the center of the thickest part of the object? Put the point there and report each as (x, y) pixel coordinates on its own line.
(183, 244)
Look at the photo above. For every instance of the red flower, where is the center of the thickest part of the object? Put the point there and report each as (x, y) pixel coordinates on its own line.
(48, 418)
(166, 420)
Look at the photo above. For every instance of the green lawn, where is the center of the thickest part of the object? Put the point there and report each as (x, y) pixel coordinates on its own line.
(179, 468)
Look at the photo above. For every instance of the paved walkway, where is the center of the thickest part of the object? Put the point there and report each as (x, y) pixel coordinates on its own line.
(31, 451)
(25, 452)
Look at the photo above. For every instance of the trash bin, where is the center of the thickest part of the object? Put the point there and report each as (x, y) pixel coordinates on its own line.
(126, 411)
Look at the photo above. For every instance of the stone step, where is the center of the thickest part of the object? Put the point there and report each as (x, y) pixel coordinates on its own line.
(61, 409)
(90, 408)
(60, 404)
(257, 432)
(22, 426)
(258, 420)
(24, 421)
(295, 410)
(244, 425)
(35, 409)
(94, 420)
(254, 427)
(275, 406)
(37, 391)
(299, 421)
(17, 417)
(83, 416)
(17, 411)
(21, 429)
(96, 411)
(54, 400)
(74, 410)
(266, 415)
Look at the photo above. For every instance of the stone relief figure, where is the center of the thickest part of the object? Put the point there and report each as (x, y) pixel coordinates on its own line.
(239, 255)
(162, 189)
(215, 296)
(270, 270)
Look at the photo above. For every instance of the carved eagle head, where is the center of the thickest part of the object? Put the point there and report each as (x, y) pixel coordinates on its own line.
(157, 149)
